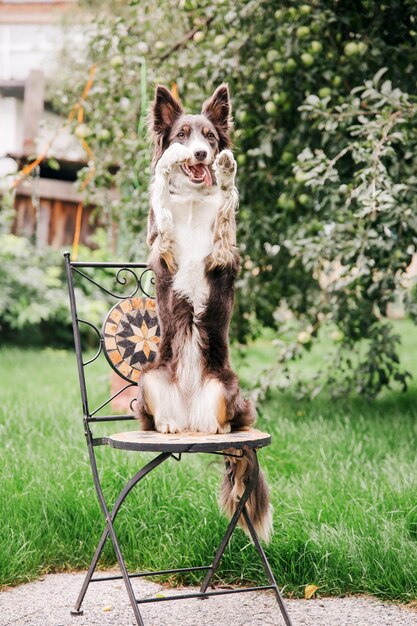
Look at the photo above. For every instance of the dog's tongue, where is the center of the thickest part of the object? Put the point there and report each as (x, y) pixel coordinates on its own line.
(202, 171)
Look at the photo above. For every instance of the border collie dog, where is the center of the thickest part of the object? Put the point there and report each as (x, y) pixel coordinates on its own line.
(192, 235)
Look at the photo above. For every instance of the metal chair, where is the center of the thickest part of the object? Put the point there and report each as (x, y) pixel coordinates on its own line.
(129, 338)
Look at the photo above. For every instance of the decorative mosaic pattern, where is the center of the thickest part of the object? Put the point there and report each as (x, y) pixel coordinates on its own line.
(131, 336)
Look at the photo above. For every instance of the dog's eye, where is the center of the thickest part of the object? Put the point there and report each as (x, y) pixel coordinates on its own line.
(210, 136)
(181, 134)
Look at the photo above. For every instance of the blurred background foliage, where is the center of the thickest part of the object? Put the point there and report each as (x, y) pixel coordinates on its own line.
(325, 134)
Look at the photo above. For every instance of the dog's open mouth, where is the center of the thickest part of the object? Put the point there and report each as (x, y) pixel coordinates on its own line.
(199, 173)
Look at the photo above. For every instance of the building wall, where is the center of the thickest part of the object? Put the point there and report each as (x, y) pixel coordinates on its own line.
(11, 127)
(32, 35)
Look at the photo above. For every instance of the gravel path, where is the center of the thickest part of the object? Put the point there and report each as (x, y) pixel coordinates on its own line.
(47, 602)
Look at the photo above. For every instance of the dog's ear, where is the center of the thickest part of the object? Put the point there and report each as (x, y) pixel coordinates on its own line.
(218, 109)
(165, 110)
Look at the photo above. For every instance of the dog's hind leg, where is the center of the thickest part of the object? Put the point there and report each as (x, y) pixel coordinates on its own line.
(143, 412)
(208, 408)
(162, 400)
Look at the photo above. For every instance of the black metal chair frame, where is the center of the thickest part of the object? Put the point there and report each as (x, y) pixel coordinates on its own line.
(169, 451)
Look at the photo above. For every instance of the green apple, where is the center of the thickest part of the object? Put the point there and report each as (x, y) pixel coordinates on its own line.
(337, 336)
(104, 135)
(271, 107)
(305, 9)
(116, 61)
(220, 41)
(278, 67)
(302, 32)
(285, 202)
(303, 199)
(241, 159)
(199, 36)
(304, 337)
(324, 92)
(336, 81)
(316, 46)
(291, 65)
(273, 55)
(282, 201)
(82, 131)
(351, 49)
(287, 157)
(307, 59)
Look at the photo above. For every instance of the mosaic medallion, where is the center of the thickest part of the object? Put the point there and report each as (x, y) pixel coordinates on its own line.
(131, 336)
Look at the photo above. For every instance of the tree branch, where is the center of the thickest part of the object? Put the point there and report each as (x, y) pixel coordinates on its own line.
(185, 39)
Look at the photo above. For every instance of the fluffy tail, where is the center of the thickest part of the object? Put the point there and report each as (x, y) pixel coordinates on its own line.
(238, 471)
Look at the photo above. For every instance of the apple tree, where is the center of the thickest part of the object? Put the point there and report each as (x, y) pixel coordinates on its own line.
(324, 138)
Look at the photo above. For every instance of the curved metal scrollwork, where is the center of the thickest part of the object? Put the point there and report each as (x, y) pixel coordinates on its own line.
(112, 398)
(131, 404)
(100, 338)
(141, 282)
(121, 281)
(150, 279)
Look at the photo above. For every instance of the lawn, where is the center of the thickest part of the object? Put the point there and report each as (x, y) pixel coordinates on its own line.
(343, 477)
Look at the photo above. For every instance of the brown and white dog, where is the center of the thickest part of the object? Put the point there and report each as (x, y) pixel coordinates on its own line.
(192, 235)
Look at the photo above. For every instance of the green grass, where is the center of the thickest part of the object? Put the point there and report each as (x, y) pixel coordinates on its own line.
(343, 477)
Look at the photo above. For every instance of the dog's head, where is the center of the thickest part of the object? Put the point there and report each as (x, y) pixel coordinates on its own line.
(205, 134)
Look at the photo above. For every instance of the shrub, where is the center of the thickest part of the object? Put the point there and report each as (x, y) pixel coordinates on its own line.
(34, 305)
(33, 299)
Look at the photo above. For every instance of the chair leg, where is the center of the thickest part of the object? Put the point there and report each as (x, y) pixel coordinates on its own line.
(253, 479)
(109, 530)
(241, 510)
(267, 567)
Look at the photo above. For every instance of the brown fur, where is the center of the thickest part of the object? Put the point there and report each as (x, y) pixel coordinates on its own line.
(235, 481)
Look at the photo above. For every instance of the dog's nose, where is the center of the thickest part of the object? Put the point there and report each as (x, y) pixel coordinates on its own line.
(200, 155)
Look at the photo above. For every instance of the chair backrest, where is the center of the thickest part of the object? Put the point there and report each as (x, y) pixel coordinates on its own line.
(131, 335)
(114, 303)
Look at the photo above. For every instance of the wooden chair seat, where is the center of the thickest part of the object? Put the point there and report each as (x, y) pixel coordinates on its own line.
(151, 440)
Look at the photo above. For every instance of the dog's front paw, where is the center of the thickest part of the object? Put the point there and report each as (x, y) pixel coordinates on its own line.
(225, 167)
(174, 155)
(225, 162)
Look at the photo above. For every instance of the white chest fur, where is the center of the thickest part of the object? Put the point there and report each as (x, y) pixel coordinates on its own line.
(193, 220)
